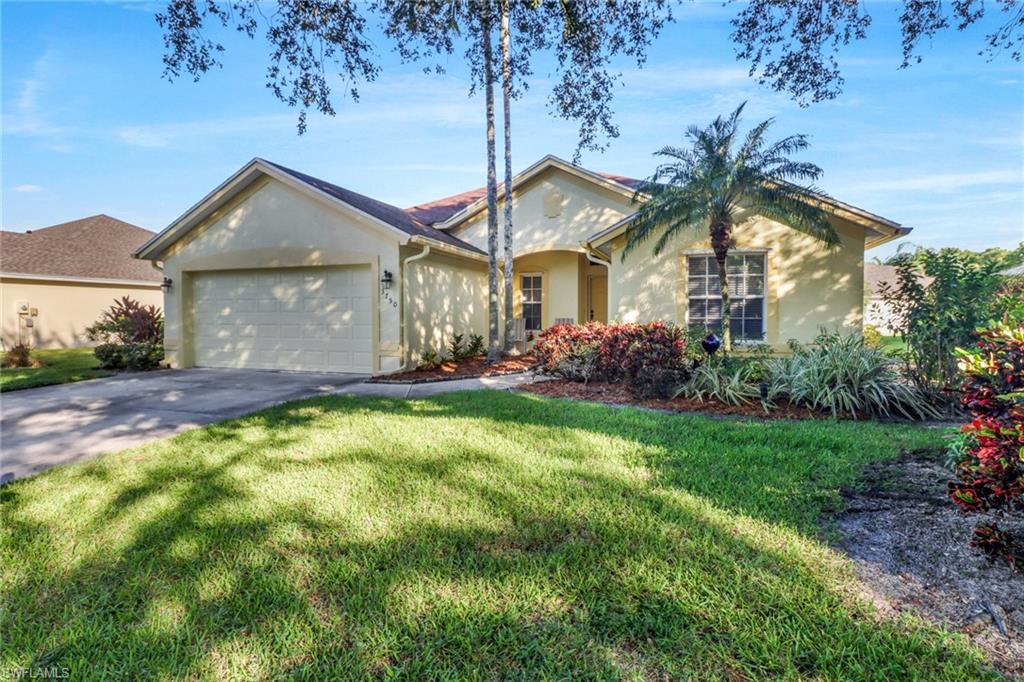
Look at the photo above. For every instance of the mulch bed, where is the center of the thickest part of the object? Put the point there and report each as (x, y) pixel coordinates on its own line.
(618, 394)
(461, 369)
(909, 543)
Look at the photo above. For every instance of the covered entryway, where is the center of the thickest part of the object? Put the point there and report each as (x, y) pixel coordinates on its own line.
(302, 319)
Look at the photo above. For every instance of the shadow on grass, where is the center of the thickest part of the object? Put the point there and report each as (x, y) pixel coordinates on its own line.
(481, 534)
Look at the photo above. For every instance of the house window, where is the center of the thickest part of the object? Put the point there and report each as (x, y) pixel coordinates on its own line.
(530, 295)
(746, 273)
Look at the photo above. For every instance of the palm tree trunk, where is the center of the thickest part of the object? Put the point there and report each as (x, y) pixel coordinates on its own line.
(493, 342)
(721, 237)
(506, 81)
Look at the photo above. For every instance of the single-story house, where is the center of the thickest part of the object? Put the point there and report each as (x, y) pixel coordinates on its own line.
(56, 281)
(276, 269)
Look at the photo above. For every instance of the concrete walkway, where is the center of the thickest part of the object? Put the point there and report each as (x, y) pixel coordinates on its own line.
(44, 427)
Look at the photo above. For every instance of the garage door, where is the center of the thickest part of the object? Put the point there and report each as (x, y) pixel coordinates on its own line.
(304, 319)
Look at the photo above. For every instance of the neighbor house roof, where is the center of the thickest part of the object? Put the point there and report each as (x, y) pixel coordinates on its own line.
(95, 248)
(384, 214)
(875, 275)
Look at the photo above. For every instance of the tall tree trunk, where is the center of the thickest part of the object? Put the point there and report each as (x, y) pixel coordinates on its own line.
(721, 238)
(493, 340)
(506, 82)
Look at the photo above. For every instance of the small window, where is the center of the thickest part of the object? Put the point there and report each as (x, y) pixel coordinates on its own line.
(530, 292)
(746, 273)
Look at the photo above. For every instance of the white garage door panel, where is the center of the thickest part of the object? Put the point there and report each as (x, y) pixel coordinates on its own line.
(314, 320)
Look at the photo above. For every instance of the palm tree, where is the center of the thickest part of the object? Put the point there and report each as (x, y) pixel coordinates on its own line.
(719, 180)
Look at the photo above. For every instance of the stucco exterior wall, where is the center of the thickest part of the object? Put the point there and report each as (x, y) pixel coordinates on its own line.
(808, 287)
(65, 309)
(560, 278)
(554, 211)
(271, 225)
(446, 296)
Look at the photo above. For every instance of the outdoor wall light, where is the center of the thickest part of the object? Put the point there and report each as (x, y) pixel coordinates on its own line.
(385, 281)
(165, 285)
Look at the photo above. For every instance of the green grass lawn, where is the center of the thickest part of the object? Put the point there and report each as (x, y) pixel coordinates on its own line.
(478, 534)
(893, 344)
(61, 366)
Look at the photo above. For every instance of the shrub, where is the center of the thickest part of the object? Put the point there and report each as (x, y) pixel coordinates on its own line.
(843, 375)
(20, 355)
(130, 335)
(128, 321)
(725, 379)
(649, 358)
(457, 347)
(991, 471)
(935, 317)
(430, 359)
(872, 337)
(476, 346)
(133, 356)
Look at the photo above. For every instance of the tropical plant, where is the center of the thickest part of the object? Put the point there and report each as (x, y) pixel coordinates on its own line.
(719, 181)
(476, 346)
(939, 299)
(723, 379)
(991, 471)
(843, 375)
(457, 347)
(430, 359)
(128, 321)
(129, 335)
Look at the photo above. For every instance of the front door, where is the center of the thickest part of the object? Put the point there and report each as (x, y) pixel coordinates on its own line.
(597, 297)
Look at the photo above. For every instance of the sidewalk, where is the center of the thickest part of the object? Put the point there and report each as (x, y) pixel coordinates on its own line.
(437, 387)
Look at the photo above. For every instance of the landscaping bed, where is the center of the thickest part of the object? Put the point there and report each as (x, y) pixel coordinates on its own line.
(910, 546)
(467, 368)
(619, 394)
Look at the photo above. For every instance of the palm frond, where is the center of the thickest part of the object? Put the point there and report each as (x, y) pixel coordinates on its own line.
(790, 206)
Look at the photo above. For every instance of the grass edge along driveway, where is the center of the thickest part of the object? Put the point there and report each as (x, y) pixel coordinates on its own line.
(476, 534)
(61, 366)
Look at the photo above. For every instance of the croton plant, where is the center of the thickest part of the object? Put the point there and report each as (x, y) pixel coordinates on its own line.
(991, 470)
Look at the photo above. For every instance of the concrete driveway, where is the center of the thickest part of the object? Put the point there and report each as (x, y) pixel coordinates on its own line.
(44, 427)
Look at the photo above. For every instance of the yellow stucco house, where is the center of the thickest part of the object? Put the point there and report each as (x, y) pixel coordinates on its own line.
(275, 269)
(56, 281)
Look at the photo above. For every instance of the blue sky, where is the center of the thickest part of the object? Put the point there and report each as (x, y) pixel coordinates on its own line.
(90, 127)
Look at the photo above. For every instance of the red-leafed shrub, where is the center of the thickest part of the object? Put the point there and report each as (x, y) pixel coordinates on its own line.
(991, 470)
(130, 336)
(650, 358)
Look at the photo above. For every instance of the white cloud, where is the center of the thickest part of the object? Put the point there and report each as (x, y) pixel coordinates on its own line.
(27, 189)
(28, 115)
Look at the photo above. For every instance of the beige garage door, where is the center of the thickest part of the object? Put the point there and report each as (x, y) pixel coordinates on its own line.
(304, 319)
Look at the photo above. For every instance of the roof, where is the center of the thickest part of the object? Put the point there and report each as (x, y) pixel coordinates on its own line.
(440, 210)
(875, 275)
(1014, 271)
(97, 247)
(392, 215)
(388, 216)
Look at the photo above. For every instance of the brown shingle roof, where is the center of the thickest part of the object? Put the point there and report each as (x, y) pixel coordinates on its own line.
(392, 215)
(875, 275)
(98, 247)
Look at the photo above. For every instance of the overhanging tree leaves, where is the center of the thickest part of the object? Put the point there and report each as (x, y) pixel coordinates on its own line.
(792, 45)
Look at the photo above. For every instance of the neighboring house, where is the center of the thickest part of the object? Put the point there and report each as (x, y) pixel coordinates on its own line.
(275, 269)
(877, 312)
(56, 281)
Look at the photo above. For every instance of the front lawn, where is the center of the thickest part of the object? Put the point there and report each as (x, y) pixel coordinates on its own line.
(60, 366)
(478, 534)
